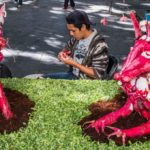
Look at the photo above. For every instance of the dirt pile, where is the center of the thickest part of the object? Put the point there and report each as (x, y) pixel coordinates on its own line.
(100, 109)
(21, 107)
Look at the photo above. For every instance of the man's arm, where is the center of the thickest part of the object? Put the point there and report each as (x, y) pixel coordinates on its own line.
(100, 60)
(69, 61)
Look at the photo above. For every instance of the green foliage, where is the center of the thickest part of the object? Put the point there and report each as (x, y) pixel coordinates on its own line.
(60, 104)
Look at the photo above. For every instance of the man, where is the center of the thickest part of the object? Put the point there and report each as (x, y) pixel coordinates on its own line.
(86, 52)
(19, 3)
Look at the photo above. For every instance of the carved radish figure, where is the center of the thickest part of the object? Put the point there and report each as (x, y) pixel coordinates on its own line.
(4, 106)
(134, 79)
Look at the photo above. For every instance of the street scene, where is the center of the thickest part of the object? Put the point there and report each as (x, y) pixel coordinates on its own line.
(37, 31)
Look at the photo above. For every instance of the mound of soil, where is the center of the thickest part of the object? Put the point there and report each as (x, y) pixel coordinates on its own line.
(100, 109)
(21, 107)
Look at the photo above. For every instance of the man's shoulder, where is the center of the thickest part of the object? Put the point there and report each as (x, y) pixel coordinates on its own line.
(98, 39)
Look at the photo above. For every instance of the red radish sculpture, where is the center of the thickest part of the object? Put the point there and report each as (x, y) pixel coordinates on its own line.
(4, 106)
(104, 22)
(123, 18)
(134, 79)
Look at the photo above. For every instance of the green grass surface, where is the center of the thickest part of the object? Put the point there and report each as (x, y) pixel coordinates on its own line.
(59, 106)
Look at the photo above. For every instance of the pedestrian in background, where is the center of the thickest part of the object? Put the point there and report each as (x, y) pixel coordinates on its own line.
(72, 4)
(19, 3)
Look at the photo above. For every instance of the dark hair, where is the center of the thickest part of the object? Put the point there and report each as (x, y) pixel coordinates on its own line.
(78, 18)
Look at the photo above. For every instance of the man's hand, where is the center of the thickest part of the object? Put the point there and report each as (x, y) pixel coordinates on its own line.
(63, 53)
(63, 57)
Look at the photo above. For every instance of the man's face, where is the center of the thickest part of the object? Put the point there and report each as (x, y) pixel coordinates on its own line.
(75, 32)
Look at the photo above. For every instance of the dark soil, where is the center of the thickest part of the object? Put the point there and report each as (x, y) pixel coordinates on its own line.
(100, 108)
(21, 107)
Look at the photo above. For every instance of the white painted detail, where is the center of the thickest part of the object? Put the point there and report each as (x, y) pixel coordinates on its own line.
(131, 107)
(148, 96)
(119, 83)
(133, 81)
(146, 54)
(142, 84)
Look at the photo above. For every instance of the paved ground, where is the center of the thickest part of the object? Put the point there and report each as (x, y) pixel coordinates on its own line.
(37, 31)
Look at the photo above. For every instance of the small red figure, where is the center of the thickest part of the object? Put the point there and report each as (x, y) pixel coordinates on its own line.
(104, 22)
(123, 18)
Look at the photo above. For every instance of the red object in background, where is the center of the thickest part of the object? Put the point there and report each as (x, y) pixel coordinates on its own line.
(3, 14)
(104, 22)
(2, 43)
(2, 40)
(123, 18)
